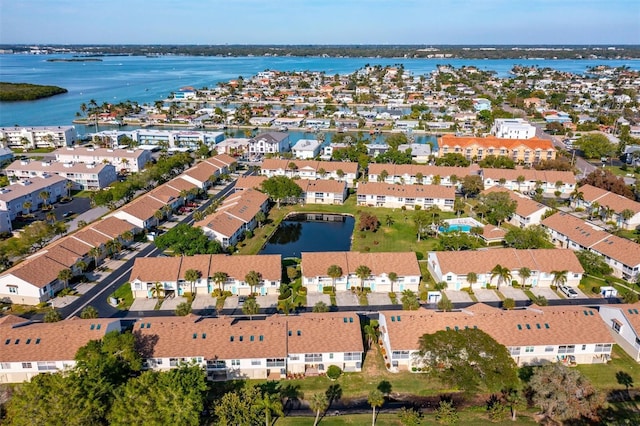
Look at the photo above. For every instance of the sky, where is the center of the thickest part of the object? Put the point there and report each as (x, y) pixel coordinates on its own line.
(422, 22)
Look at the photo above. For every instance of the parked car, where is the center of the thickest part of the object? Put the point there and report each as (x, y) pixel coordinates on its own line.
(569, 292)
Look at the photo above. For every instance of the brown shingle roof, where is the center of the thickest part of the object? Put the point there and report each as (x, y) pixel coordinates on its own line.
(492, 141)
(112, 227)
(181, 184)
(328, 166)
(321, 185)
(412, 191)
(426, 170)
(92, 237)
(402, 263)
(246, 182)
(143, 208)
(567, 325)
(530, 175)
(318, 332)
(199, 262)
(608, 199)
(39, 271)
(151, 269)
(268, 265)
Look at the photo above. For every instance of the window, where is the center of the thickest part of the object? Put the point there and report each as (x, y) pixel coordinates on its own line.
(603, 347)
(26, 365)
(173, 362)
(294, 357)
(514, 350)
(400, 355)
(47, 366)
(275, 362)
(5, 365)
(235, 363)
(548, 349)
(566, 349)
(528, 349)
(13, 290)
(331, 356)
(312, 357)
(616, 325)
(214, 364)
(255, 362)
(584, 347)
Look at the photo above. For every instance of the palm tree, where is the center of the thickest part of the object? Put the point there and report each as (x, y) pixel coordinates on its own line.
(334, 272)
(64, 276)
(96, 253)
(271, 404)
(253, 279)
(68, 185)
(81, 265)
(503, 273)
(50, 216)
(559, 277)
(375, 399)
(158, 215)
(198, 216)
(89, 313)
(472, 278)
(393, 277)
(524, 274)
(44, 196)
(27, 206)
(156, 290)
(250, 307)
(520, 179)
(220, 278)
(127, 236)
(371, 334)
(318, 403)
(192, 275)
(419, 178)
(388, 220)
(260, 218)
(625, 215)
(577, 197)
(595, 207)
(363, 272)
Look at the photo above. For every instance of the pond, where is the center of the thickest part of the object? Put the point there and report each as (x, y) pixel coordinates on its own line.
(311, 232)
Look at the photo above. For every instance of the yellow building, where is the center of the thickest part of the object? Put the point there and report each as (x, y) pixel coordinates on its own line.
(523, 151)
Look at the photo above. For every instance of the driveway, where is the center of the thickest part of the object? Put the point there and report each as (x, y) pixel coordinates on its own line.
(61, 302)
(314, 298)
(267, 301)
(172, 303)
(485, 295)
(346, 298)
(513, 293)
(203, 301)
(377, 299)
(458, 296)
(142, 304)
(231, 302)
(546, 292)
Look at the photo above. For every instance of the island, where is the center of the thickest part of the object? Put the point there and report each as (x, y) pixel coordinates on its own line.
(74, 60)
(27, 92)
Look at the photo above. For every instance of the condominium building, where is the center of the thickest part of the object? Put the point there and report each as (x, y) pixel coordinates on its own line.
(83, 176)
(525, 151)
(25, 195)
(512, 128)
(38, 137)
(124, 160)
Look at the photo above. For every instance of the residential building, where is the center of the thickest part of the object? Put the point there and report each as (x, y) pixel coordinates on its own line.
(236, 215)
(621, 254)
(512, 128)
(171, 139)
(30, 348)
(206, 172)
(271, 348)
(306, 169)
(124, 160)
(170, 273)
(525, 151)
(6, 155)
(322, 191)
(610, 205)
(527, 213)
(536, 335)
(233, 146)
(83, 176)
(623, 322)
(380, 194)
(38, 137)
(452, 267)
(420, 174)
(141, 212)
(269, 142)
(420, 152)
(314, 267)
(13, 197)
(524, 180)
(306, 149)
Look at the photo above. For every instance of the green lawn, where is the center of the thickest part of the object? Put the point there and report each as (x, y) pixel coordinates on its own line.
(619, 172)
(124, 294)
(603, 376)
(400, 235)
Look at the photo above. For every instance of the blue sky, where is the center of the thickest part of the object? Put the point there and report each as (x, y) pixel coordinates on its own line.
(320, 22)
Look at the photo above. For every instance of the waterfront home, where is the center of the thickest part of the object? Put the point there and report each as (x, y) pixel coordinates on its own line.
(420, 152)
(83, 176)
(380, 194)
(30, 348)
(621, 254)
(535, 335)
(124, 160)
(170, 274)
(315, 266)
(420, 174)
(307, 169)
(268, 348)
(623, 322)
(527, 213)
(235, 216)
(525, 151)
(233, 146)
(512, 128)
(608, 205)
(520, 179)
(269, 142)
(306, 149)
(38, 136)
(453, 267)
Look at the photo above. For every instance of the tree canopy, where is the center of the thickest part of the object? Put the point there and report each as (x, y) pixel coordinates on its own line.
(186, 240)
(468, 359)
(595, 145)
(498, 206)
(281, 188)
(532, 237)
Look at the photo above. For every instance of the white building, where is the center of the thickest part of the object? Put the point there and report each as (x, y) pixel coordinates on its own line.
(315, 277)
(624, 324)
(83, 176)
(270, 142)
(528, 212)
(13, 197)
(188, 139)
(380, 194)
(38, 137)
(306, 149)
(127, 160)
(512, 128)
(307, 169)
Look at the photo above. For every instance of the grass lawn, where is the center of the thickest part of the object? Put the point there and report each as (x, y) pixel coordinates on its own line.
(400, 235)
(82, 194)
(619, 172)
(124, 295)
(603, 376)
(467, 417)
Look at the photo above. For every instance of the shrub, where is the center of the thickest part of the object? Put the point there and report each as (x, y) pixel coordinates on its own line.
(629, 297)
(302, 291)
(366, 249)
(327, 290)
(183, 309)
(508, 303)
(334, 372)
(284, 294)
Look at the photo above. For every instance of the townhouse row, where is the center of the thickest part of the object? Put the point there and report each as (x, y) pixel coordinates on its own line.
(624, 212)
(92, 176)
(277, 346)
(313, 191)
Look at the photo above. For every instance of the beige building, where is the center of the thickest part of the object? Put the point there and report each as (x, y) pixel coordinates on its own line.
(524, 151)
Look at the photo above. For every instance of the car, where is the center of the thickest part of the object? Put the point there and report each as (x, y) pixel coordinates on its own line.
(67, 214)
(569, 292)
(241, 300)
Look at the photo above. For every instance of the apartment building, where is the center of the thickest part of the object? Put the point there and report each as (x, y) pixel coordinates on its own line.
(512, 128)
(379, 194)
(605, 200)
(38, 137)
(527, 213)
(524, 151)
(412, 174)
(307, 169)
(24, 196)
(269, 142)
(124, 160)
(83, 176)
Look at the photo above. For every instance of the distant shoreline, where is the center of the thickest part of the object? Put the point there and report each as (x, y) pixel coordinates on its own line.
(75, 60)
(12, 92)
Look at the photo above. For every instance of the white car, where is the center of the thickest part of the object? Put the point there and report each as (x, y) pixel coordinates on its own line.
(569, 292)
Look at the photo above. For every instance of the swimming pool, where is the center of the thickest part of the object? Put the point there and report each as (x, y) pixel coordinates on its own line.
(456, 227)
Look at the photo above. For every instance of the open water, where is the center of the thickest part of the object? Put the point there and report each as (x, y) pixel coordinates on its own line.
(147, 79)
